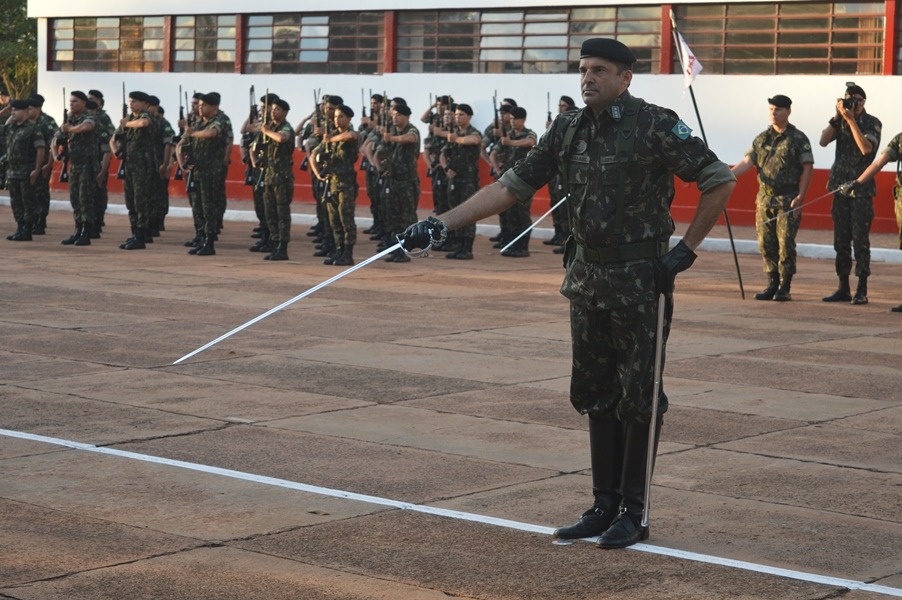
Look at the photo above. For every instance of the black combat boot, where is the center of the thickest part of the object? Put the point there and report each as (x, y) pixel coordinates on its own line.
(330, 260)
(196, 242)
(861, 294)
(24, 233)
(606, 452)
(136, 242)
(346, 258)
(95, 230)
(464, 253)
(264, 244)
(843, 293)
(519, 250)
(280, 253)
(773, 283)
(84, 235)
(207, 249)
(627, 529)
(75, 235)
(39, 225)
(327, 248)
(12, 237)
(783, 294)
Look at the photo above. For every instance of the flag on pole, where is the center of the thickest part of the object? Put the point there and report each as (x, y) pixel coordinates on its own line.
(691, 65)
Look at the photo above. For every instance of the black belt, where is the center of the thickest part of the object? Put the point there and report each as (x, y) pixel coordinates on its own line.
(622, 253)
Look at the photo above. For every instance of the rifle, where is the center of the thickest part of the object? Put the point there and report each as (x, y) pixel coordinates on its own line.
(363, 104)
(120, 150)
(321, 153)
(63, 145)
(178, 169)
(548, 104)
(254, 115)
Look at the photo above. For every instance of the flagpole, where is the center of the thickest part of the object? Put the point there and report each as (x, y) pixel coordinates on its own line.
(701, 128)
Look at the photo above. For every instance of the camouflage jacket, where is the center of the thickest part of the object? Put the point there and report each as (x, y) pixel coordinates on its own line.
(596, 177)
(894, 151)
(850, 162)
(404, 156)
(22, 143)
(105, 130)
(780, 158)
(48, 128)
(139, 141)
(508, 156)
(163, 136)
(84, 148)
(279, 156)
(207, 153)
(463, 160)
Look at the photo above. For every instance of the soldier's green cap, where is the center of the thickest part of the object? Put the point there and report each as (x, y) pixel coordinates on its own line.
(607, 48)
(780, 101)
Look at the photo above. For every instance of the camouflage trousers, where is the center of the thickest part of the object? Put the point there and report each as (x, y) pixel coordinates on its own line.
(22, 200)
(101, 199)
(401, 199)
(374, 194)
(209, 191)
(197, 209)
(614, 359)
(277, 205)
(560, 216)
(341, 203)
(83, 191)
(42, 194)
(440, 193)
(460, 188)
(852, 219)
(259, 201)
(777, 238)
(519, 218)
(160, 199)
(140, 185)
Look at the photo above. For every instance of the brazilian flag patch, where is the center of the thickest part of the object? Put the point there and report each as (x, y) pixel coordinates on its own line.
(681, 130)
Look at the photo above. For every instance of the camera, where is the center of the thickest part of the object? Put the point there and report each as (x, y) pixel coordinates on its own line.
(850, 103)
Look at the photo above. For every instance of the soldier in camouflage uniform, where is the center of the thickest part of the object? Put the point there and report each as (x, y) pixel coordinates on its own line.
(136, 135)
(516, 144)
(105, 131)
(892, 153)
(24, 158)
(251, 143)
(857, 136)
(163, 147)
(619, 156)
(229, 138)
(460, 160)
(48, 128)
(402, 180)
(5, 110)
(81, 134)
(498, 162)
(278, 178)
(186, 162)
(432, 151)
(785, 163)
(366, 131)
(342, 146)
(560, 215)
(208, 141)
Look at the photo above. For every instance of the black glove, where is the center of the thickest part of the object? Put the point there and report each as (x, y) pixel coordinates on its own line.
(677, 259)
(850, 187)
(422, 234)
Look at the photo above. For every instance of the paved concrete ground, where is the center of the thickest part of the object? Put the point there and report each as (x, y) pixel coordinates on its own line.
(437, 383)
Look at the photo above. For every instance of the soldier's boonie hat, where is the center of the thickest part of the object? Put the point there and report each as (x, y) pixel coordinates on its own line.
(403, 109)
(281, 104)
(856, 90)
(607, 48)
(346, 110)
(139, 96)
(36, 100)
(518, 112)
(19, 104)
(96, 93)
(153, 100)
(91, 105)
(465, 108)
(79, 95)
(780, 101)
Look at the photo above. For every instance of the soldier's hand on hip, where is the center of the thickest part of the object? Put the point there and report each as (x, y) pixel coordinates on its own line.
(676, 260)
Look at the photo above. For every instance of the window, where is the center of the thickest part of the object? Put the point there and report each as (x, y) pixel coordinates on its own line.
(107, 44)
(349, 42)
(204, 44)
(842, 38)
(521, 41)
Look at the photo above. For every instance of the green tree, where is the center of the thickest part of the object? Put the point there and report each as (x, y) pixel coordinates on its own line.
(18, 49)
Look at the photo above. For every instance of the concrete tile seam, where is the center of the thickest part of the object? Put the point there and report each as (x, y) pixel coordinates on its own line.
(464, 516)
(874, 470)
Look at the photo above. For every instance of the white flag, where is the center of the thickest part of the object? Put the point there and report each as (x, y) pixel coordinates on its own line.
(691, 65)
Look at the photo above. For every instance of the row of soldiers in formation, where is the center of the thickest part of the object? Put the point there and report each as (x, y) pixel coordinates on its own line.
(149, 148)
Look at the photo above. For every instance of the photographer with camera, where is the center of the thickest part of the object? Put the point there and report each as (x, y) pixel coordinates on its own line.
(857, 136)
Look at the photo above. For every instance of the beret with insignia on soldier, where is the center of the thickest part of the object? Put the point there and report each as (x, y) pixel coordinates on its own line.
(780, 101)
(607, 48)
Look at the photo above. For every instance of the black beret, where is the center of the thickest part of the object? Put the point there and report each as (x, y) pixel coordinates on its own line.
(19, 104)
(153, 100)
(36, 100)
(607, 48)
(403, 109)
(378, 98)
(780, 101)
(345, 110)
(445, 100)
(853, 90)
(505, 108)
(281, 103)
(333, 100)
(465, 108)
(518, 112)
(139, 96)
(96, 93)
(509, 101)
(91, 105)
(3, 92)
(212, 98)
(269, 98)
(569, 101)
(79, 95)
(399, 101)
(197, 96)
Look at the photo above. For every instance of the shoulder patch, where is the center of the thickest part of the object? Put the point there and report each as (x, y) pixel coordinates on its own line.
(681, 130)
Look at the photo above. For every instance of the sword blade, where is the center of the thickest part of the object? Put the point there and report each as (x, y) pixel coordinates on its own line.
(801, 206)
(287, 303)
(653, 421)
(536, 222)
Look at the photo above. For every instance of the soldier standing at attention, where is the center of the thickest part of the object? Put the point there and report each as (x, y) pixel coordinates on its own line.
(81, 133)
(342, 145)
(105, 131)
(136, 133)
(560, 215)
(24, 151)
(186, 162)
(251, 143)
(163, 147)
(618, 264)
(516, 144)
(48, 128)
(403, 181)
(857, 137)
(785, 163)
(460, 160)
(278, 177)
(432, 151)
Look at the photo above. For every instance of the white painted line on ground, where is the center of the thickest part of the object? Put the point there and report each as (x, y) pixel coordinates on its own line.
(454, 514)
